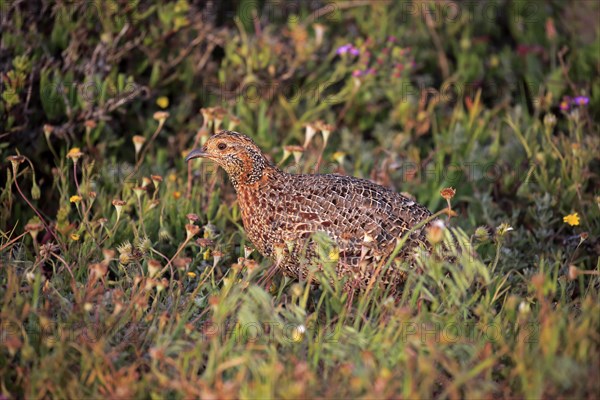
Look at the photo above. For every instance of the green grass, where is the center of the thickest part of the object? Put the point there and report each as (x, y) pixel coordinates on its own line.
(140, 299)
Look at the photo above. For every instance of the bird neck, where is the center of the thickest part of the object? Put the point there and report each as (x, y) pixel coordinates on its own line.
(251, 170)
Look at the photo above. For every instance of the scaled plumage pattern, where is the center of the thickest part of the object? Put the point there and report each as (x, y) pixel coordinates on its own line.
(281, 211)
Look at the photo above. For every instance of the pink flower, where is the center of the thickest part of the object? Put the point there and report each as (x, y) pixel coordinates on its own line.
(565, 104)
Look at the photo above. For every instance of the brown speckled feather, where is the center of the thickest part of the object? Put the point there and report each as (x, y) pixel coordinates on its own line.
(364, 219)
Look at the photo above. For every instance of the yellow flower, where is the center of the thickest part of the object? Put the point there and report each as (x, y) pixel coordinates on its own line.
(191, 274)
(74, 237)
(163, 102)
(571, 219)
(339, 156)
(177, 195)
(75, 199)
(298, 333)
(75, 153)
(334, 254)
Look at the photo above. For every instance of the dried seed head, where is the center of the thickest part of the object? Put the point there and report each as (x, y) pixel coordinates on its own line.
(125, 247)
(15, 161)
(482, 234)
(108, 254)
(154, 267)
(219, 114)
(98, 270)
(191, 230)
(448, 193)
(233, 122)
(154, 203)
(503, 229)
(156, 179)
(217, 255)
(138, 143)
(573, 272)
(247, 251)
(251, 265)
(125, 258)
(435, 232)
(207, 115)
(192, 218)
(47, 249)
(164, 235)
(101, 221)
(144, 244)
(182, 263)
(310, 130)
(118, 204)
(319, 33)
(161, 116)
(139, 191)
(34, 227)
(48, 130)
(204, 243)
(326, 130)
(297, 151)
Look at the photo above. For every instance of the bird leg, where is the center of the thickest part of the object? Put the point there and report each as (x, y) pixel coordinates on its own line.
(268, 276)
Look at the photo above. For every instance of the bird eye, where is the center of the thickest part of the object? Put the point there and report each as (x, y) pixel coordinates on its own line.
(221, 146)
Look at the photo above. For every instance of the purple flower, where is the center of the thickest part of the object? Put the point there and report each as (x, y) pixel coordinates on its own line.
(347, 48)
(371, 71)
(391, 39)
(564, 104)
(343, 49)
(357, 72)
(581, 100)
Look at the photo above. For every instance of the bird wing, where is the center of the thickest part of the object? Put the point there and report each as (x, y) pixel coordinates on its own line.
(356, 213)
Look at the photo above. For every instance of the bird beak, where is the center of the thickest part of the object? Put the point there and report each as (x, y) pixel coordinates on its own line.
(196, 153)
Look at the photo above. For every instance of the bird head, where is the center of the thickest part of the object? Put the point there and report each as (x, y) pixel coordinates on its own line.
(237, 154)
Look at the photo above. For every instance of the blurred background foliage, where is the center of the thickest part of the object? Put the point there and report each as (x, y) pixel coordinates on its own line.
(499, 99)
